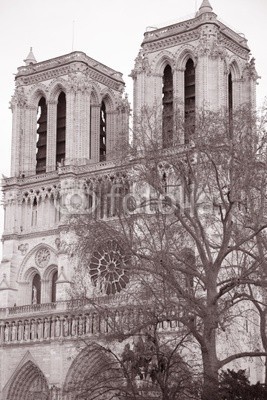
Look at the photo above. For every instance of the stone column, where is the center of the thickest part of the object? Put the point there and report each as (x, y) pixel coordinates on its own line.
(84, 134)
(95, 132)
(70, 128)
(111, 134)
(178, 97)
(18, 138)
(29, 151)
(51, 143)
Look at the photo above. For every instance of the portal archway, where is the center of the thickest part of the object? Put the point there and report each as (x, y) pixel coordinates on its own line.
(29, 384)
(94, 373)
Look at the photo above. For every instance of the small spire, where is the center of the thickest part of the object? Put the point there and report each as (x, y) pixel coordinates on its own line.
(30, 58)
(205, 7)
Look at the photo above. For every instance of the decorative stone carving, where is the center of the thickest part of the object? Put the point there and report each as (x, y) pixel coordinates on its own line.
(250, 70)
(141, 64)
(23, 248)
(57, 243)
(108, 268)
(18, 98)
(79, 82)
(42, 257)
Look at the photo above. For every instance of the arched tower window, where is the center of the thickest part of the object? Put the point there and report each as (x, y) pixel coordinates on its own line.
(230, 93)
(54, 287)
(36, 289)
(103, 132)
(189, 98)
(61, 128)
(167, 107)
(41, 136)
(34, 213)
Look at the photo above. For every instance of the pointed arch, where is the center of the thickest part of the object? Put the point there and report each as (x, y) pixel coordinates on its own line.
(163, 59)
(183, 55)
(95, 96)
(107, 96)
(56, 87)
(234, 68)
(29, 263)
(93, 371)
(37, 93)
(29, 382)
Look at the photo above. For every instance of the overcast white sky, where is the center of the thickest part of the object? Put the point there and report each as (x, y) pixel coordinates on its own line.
(110, 31)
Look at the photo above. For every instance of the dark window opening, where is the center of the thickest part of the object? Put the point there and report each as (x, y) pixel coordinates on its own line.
(61, 128)
(90, 133)
(36, 289)
(103, 132)
(167, 107)
(230, 103)
(189, 99)
(41, 136)
(54, 287)
(34, 213)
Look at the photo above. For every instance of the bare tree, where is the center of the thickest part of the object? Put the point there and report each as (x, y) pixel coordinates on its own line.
(188, 227)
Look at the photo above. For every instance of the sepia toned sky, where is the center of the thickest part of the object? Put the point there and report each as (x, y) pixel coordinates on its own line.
(110, 31)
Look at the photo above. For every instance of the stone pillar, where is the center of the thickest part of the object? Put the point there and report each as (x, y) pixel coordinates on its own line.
(84, 138)
(95, 132)
(111, 134)
(178, 97)
(51, 136)
(29, 150)
(18, 138)
(70, 128)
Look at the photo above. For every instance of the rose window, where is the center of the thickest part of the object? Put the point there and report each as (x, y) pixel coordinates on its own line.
(108, 268)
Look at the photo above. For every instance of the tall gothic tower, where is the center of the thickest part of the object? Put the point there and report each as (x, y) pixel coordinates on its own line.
(68, 115)
(195, 64)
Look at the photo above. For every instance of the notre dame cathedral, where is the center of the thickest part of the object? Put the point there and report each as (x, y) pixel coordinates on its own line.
(68, 114)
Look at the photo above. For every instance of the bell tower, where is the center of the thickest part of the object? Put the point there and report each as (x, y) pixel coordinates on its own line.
(68, 116)
(194, 64)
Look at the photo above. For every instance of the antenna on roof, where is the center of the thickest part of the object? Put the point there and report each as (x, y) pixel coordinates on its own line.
(73, 31)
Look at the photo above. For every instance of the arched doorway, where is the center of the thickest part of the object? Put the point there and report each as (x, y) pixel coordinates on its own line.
(29, 384)
(93, 374)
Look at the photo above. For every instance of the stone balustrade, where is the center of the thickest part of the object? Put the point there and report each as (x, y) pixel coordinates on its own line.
(71, 324)
(30, 309)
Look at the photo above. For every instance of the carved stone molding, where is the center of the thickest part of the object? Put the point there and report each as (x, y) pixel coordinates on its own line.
(23, 248)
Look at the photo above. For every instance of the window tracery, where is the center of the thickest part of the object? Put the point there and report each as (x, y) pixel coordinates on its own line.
(108, 268)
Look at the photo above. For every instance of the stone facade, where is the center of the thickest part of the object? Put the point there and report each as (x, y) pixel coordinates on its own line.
(38, 337)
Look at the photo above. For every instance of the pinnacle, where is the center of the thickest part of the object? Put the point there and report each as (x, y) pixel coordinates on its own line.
(30, 59)
(205, 7)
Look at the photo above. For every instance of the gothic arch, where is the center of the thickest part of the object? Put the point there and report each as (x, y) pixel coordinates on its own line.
(161, 61)
(56, 87)
(28, 383)
(234, 68)
(183, 55)
(37, 93)
(29, 274)
(49, 271)
(89, 371)
(27, 263)
(108, 98)
(95, 97)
